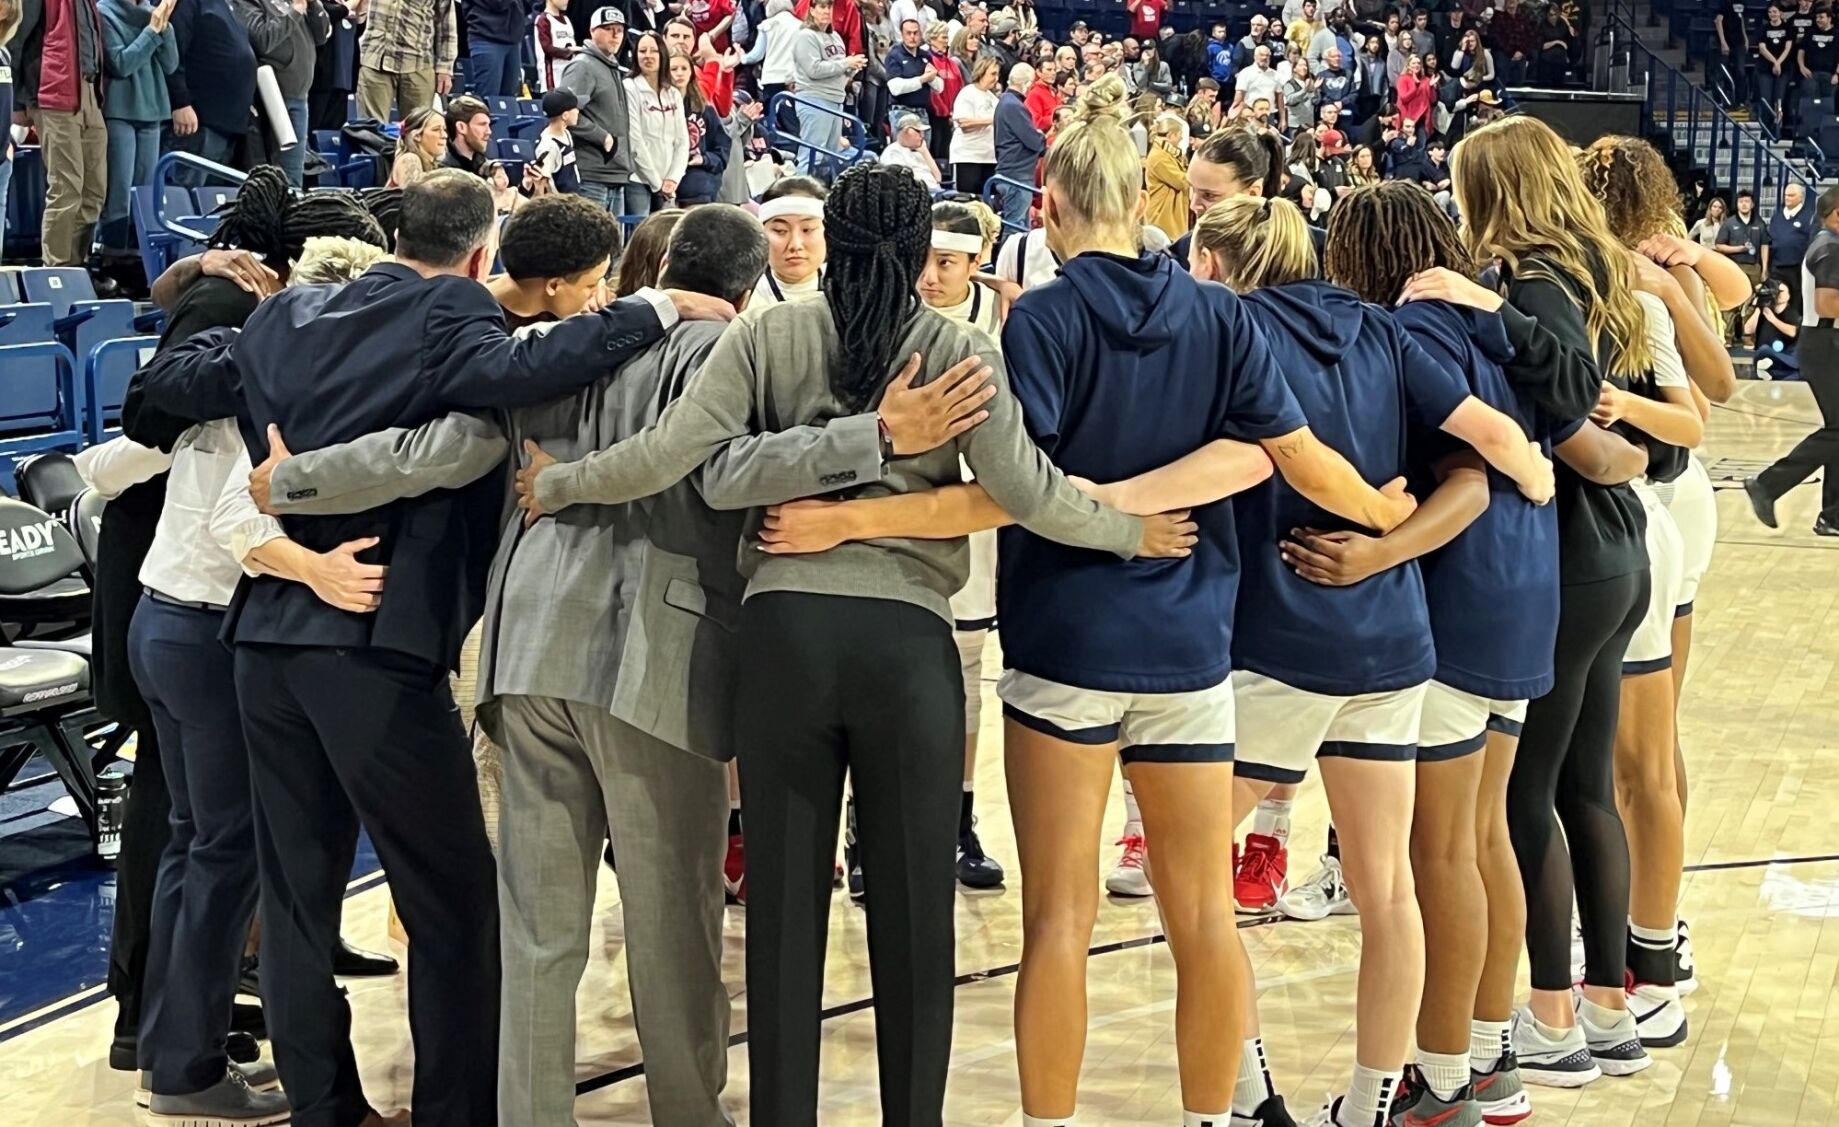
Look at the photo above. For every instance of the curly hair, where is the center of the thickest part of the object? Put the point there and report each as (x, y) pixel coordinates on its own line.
(557, 236)
(1631, 180)
(1381, 234)
(878, 221)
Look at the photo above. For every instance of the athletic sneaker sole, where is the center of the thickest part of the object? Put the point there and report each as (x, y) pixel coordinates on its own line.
(1512, 1110)
(1687, 986)
(1614, 1066)
(1560, 1078)
(219, 1120)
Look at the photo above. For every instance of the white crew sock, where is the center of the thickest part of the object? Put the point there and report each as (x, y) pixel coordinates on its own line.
(1602, 1017)
(1272, 818)
(1133, 818)
(1653, 938)
(1254, 1086)
(1207, 1119)
(1050, 1121)
(1369, 1096)
(1444, 1073)
(1487, 1041)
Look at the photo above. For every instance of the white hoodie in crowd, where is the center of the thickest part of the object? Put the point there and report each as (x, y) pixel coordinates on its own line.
(660, 135)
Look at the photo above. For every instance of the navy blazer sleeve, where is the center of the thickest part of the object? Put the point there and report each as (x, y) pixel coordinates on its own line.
(191, 382)
(475, 365)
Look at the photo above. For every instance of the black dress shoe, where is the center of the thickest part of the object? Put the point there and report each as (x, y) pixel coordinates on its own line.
(241, 1048)
(1761, 503)
(245, 1018)
(124, 1052)
(1822, 528)
(353, 962)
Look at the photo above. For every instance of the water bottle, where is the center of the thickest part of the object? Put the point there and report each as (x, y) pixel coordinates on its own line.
(111, 808)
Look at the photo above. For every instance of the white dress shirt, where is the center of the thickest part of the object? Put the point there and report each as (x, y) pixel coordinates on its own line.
(210, 523)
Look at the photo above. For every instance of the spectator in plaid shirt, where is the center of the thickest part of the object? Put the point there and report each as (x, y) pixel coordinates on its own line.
(1513, 35)
(406, 56)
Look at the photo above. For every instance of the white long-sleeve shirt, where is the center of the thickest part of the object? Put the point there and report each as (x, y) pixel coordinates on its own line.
(779, 31)
(660, 134)
(210, 523)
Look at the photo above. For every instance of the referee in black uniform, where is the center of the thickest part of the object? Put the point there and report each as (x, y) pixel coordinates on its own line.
(1819, 354)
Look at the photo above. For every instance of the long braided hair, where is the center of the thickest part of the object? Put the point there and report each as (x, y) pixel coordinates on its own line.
(878, 221)
(269, 220)
(1382, 234)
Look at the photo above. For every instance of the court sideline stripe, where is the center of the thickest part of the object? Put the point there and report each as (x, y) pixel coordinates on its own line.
(84, 999)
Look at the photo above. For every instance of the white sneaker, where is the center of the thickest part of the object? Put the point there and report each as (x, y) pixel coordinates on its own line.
(1660, 1017)
(1685, 969)
(1615, 1048)
(1326, 1116)
(1131, 876)
(1323, 894)
(1562, 1063)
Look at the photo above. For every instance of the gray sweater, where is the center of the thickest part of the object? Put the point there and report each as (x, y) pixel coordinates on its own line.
(817, 64)
(769, 373)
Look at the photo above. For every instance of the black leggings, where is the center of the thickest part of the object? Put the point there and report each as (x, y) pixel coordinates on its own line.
(871, 687)
(1566, 763)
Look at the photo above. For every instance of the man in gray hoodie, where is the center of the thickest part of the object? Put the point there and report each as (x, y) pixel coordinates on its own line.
(286, 35)
(603, 151)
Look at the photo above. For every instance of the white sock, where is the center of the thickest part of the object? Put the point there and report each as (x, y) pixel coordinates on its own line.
(1254, 1086)
(1653, 938)
(1369, 1096)
(1444, 1073)
(1133, 818)
(1272, 818)
(1206, 1119)
(1600, 1016)
(1487, 1041)
(1053, 1121)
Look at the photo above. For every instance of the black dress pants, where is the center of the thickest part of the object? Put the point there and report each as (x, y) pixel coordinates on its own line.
(341, 737)
(146, 828)
(1819, 355)
(207, 877)
(870, 688)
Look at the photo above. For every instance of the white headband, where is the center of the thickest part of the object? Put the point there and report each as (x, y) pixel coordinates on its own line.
(803, 207)
(958, 241)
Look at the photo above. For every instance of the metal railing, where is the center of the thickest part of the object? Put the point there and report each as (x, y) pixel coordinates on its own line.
(1693, 117)
(994, 201)
(67, 429)
(162, 176)
(854, 132)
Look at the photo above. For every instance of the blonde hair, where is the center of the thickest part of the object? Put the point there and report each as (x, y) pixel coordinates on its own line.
(1093, 166)
(982, 67)
(1522, 201)
(330, 259)
(10, 16)
(1258, 241)
(1169, 130)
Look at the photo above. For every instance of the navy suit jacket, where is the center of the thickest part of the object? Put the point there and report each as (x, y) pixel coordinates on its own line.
(329, 364)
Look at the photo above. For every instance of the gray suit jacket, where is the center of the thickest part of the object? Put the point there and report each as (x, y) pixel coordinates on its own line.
(631, 607)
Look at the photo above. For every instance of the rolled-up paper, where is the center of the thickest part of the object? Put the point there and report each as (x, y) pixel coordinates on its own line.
(274, 109)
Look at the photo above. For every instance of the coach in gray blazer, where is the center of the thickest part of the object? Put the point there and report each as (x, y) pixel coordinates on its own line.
(608, 653)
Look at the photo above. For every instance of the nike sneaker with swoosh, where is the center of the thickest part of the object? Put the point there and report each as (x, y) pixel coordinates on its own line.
(1562, 1063)
(1685, 969)
(1615, 1048)
(1660, 1018)
(1503, 1098)
(1416, 1105)
(1270, 1113)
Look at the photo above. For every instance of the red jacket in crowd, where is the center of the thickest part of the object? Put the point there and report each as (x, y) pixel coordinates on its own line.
(59, 74)
(1042, 102)
(845, 20)
(717, 86)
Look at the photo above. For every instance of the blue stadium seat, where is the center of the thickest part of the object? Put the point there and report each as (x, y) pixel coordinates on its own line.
(513, 148)
(351, 107)
(529, 107)
(81, 322)
(212, 197)
(37, 386)
(107, 369)
(9, 287)
(26, 324)
(501, 106)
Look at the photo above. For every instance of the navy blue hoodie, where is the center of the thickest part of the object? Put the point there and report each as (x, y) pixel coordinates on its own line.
(1371, 393)
(1493, 591)
(1121, 366)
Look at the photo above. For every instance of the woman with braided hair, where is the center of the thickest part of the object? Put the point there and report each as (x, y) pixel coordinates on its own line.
(848, 661)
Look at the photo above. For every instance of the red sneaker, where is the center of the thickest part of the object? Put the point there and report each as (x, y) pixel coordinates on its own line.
(1259, 878)
(734, 870)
